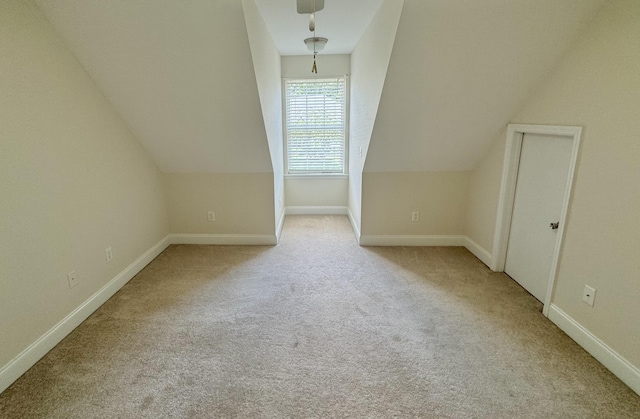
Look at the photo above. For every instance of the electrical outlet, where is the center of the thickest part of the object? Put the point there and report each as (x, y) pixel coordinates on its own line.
(211, 216)
(415, 216)
(589, 295)
(72, 278)
(108, 254)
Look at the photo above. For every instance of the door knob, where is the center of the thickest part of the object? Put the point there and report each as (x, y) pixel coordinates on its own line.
(554, 226)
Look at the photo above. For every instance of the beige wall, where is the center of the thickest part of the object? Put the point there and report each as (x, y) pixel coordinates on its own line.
(243, 202)
(369, 62)
(316, 191)
(596, 87)
(74, 182)
(267, 67)
(388, 199)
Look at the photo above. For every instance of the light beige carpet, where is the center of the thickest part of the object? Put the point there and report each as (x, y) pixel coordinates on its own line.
(318, 327)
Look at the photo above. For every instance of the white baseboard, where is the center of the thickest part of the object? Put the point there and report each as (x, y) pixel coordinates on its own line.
(225, 239)
(354, 225)
(371, 240)
(321, 210)
(618, 365)
(614, 362)
(32, 354)
(478, 251)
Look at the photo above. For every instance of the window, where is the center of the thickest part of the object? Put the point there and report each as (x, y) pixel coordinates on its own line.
(315, 125)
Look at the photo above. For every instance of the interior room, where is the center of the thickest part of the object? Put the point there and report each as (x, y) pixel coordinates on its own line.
(136, 132)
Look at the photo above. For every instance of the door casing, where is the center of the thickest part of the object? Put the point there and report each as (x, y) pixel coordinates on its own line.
(515, 135)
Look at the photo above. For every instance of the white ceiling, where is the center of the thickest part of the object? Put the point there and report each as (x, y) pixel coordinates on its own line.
(181, 74)
(341, 21)
(460, 70)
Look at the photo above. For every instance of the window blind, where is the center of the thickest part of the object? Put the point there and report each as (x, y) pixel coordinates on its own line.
(315, 125)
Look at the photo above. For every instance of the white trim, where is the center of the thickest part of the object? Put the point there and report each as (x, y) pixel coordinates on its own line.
(613, 361)
(354, 225)
(225, 239)
(280, 225)
(515, 134)
(411, 240)
(319, 210)
(32, 354)
(317, 176)
(507, 195)
(478, 251)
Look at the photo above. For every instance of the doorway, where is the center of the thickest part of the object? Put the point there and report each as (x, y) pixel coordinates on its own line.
(537, 180)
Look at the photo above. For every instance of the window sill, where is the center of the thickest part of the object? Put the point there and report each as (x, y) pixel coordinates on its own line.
(318, 176)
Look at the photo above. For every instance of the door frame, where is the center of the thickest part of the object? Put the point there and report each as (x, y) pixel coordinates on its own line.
(511, 164)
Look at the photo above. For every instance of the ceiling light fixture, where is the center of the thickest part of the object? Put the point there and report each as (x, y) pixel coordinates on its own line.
(315, 44)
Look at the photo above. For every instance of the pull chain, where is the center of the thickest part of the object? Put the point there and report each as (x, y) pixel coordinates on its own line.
(312, 27)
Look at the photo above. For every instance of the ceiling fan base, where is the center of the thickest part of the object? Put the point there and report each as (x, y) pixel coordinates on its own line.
(307, 6)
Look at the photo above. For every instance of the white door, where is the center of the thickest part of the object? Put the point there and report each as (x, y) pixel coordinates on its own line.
(541, 185)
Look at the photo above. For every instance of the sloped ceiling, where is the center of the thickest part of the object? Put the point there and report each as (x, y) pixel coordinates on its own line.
(181, 75)
(179, 72)
(459, 70)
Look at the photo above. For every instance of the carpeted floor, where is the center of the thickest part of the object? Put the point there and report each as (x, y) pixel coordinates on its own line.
(318, 327)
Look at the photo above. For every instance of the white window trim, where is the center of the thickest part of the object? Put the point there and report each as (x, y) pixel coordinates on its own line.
(347, 98)
(316, 175)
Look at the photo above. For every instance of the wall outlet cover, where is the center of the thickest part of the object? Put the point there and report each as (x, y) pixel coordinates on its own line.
(72, 277)
(589, 295)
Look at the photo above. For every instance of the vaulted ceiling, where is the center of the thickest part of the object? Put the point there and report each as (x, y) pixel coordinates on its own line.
(460, 70)
(181, 74)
